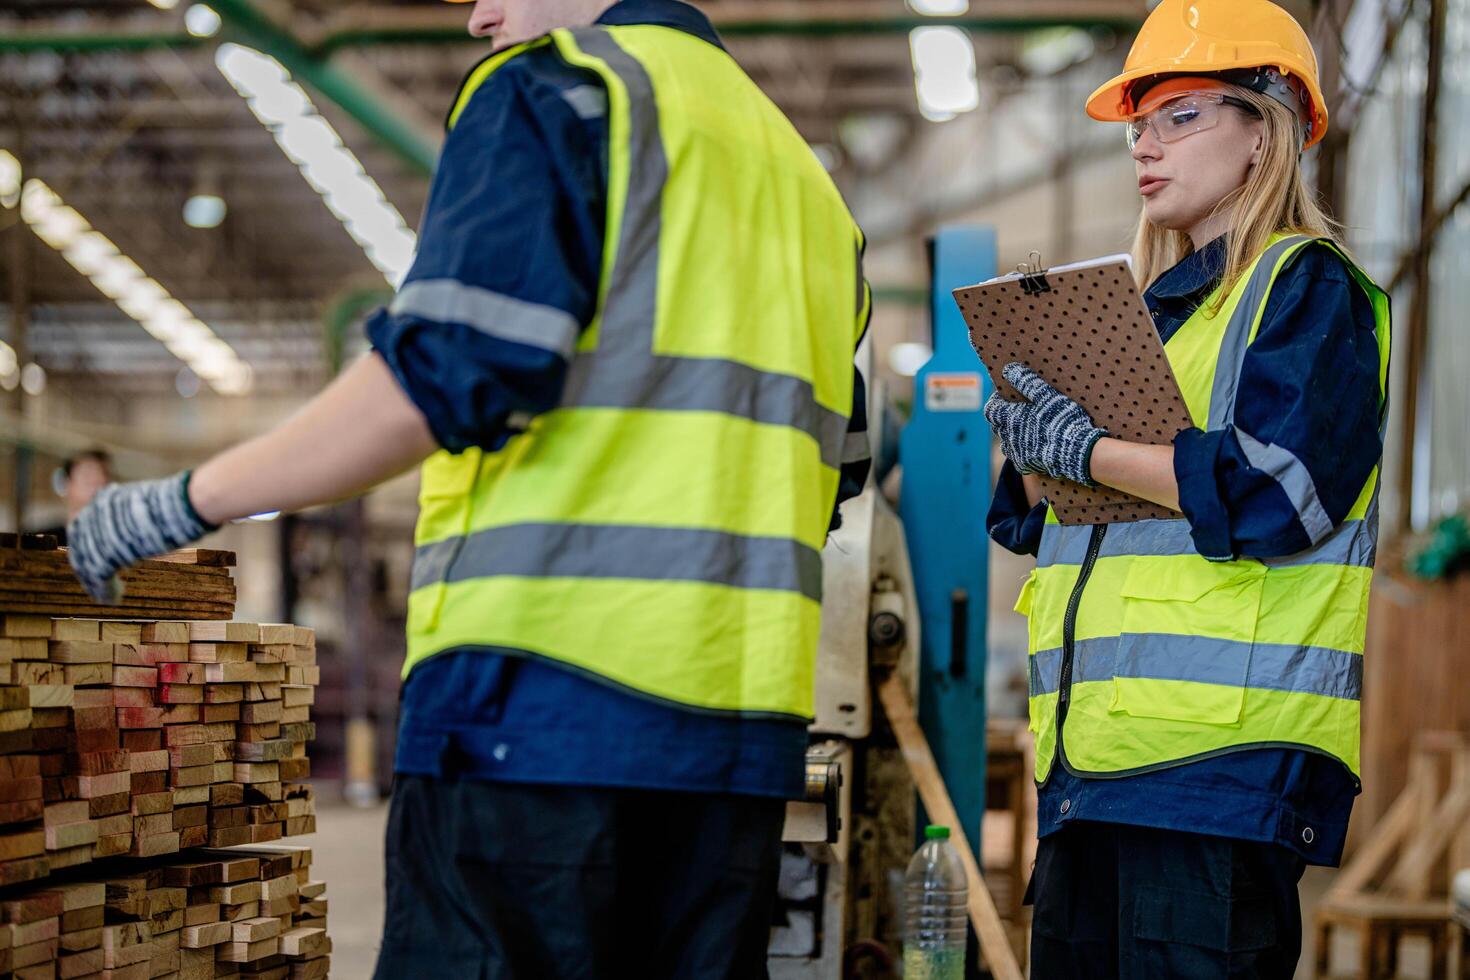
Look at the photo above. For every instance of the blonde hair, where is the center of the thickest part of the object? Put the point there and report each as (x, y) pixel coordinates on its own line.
(1274, 198)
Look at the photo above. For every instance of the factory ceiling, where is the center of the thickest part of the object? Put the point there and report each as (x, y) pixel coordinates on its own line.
(125, 113)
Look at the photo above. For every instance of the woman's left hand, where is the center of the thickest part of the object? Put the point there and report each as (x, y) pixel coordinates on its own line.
(1048, 432)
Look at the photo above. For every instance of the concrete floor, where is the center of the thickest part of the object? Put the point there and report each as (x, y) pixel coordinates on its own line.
(347, 853)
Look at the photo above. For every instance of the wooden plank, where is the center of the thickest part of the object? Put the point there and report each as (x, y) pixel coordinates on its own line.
(34, 590)
(177, 610)
(306, 943)
(164, 591)
(181, 577)
(224, 633)
(29, 541)
(79, 630)
(58, 559)
(994, 944)
(199, 556)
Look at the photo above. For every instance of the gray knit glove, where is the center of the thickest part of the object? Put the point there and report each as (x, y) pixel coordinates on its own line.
(127, 522)
(1047, 433)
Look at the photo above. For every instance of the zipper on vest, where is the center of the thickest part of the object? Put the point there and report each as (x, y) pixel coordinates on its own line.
(1069, 634)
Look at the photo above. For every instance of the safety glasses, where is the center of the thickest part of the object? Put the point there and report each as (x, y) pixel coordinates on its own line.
(1184, 115)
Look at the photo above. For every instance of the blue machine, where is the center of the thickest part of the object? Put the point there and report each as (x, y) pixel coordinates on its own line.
(947, 485)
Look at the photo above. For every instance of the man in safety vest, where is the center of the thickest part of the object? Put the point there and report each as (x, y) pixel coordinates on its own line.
(624, 357)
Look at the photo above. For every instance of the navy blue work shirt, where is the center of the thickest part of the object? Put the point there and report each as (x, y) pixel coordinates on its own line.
(1309, 383)
(517, 210)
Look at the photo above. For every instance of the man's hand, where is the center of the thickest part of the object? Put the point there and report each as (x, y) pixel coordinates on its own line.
(1047, 433)
(127, 522)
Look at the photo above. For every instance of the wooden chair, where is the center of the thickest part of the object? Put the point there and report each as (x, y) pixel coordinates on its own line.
(1462, 936)
(1397, 885)
(1008, 777)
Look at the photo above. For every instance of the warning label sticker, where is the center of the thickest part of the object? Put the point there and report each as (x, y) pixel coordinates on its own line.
(957, 392)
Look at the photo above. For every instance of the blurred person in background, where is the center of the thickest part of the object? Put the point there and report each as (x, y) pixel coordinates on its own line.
(84, 474)
(76, 481)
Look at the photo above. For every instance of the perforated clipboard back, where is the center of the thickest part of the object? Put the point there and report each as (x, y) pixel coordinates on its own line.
(1087, 332)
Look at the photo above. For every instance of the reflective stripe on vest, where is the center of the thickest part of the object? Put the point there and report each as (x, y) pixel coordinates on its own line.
(1177, 657)
(661, 530)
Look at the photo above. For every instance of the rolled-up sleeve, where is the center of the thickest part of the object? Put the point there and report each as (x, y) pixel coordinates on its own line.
(1306, 430)
(857, 453)
(1013, 523)
(506, 276)
(857, 449)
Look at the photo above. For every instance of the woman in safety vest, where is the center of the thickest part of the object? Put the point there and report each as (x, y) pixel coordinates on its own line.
(1195, 682)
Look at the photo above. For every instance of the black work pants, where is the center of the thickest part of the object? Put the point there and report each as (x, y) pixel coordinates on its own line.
(1114, 902)
(492, 881)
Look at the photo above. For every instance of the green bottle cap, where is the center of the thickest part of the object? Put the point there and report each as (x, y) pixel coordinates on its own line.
(933, 832)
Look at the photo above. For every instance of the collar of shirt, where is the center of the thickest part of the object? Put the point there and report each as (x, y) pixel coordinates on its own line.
(1176, 294)
(1194, 275)
(662, 13)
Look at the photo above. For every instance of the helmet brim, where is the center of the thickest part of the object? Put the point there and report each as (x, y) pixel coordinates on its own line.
(1114, 100)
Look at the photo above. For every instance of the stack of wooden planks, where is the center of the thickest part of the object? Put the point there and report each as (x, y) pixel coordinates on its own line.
(36, 579)
(246, 912)
(146, 738)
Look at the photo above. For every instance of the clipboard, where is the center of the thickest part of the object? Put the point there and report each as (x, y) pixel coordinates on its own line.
(1085, 329)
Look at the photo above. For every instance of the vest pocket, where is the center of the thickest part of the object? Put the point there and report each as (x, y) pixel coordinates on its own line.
(1187, 632)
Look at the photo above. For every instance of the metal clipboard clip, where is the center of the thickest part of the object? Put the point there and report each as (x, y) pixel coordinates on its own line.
(1033, 276)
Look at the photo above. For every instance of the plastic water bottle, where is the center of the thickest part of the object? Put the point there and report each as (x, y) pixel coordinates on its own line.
(936, 894)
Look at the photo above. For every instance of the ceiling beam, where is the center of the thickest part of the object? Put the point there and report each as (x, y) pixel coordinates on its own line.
(429, 25)
(94, 34)
(737, 17)
(750, 18)
(344, 87)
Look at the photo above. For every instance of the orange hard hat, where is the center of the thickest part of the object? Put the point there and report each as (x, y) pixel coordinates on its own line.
(1252, 43)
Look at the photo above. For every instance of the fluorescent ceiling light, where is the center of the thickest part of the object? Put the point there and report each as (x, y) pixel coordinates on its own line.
(944, 71)
(940, 8)
(333, 170)
(828, 156)
(33, 379)
(9, 180)
(186, 383)
(124, 282)
(905, 359)
(201, 21)
(1051, 51)
(205, 211)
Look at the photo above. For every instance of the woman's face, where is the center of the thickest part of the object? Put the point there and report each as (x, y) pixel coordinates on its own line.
(1182, 182)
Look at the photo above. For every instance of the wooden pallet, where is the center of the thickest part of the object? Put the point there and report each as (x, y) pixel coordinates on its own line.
(1396, 886)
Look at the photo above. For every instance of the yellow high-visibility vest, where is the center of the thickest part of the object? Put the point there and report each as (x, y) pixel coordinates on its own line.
(661, 530)
(1145, 655)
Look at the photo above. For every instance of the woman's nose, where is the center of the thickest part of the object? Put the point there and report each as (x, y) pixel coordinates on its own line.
(1148, 146)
